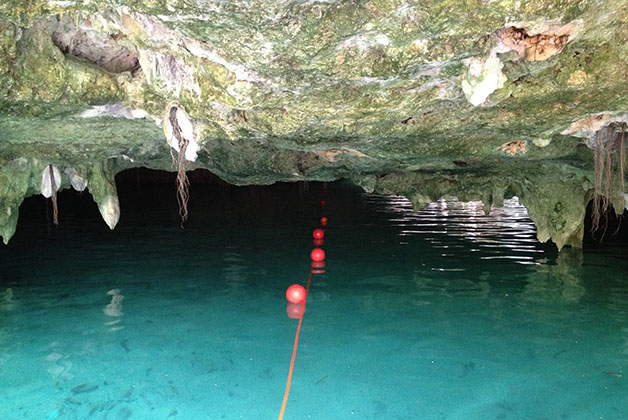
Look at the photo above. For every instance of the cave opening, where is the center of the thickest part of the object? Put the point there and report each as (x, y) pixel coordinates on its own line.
(147, 194)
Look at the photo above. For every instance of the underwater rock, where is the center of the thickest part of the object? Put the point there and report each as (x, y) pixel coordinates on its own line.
(84, 388)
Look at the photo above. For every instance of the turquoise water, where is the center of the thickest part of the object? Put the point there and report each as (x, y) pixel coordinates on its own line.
(441, 314)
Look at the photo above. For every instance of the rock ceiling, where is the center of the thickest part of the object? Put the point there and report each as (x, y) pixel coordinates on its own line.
(478, 99)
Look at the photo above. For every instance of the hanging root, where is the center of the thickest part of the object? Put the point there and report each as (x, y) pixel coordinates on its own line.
(53, 197)
(600, 201)
(183, 183)
(609, 155)
(621, 164)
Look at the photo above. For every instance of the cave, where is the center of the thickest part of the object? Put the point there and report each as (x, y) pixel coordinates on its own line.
(339, 209)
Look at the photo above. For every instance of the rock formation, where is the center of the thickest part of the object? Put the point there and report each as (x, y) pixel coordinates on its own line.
(477, 99)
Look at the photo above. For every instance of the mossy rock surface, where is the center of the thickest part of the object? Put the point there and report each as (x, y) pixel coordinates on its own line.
(379, 91)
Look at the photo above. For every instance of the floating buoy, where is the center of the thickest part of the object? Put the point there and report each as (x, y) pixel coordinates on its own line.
(294, 310)
(317, 254)
(323, 221)
(318, 234)
(295, 293)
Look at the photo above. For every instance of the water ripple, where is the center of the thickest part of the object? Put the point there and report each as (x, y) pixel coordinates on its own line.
(462, 229)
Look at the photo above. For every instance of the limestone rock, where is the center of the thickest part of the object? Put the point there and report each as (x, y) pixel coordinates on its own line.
(50, 181)
(484, 76)
(473, 96)
(102, 186)
(78, 182)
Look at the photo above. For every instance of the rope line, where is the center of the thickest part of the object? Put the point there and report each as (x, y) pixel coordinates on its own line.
(294, 350)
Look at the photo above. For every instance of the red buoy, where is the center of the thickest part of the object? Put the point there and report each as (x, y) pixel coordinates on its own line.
(318, 234)
(317, 254)
(295, 293)
(323, 221)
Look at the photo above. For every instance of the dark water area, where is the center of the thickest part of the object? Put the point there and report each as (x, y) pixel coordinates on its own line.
(440, 314)
(613, 230)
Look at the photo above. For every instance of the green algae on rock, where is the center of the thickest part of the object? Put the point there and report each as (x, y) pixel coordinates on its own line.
(477, 97)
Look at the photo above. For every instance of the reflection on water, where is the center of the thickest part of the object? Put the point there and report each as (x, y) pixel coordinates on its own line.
(114, 310)
(234, 268)
(59, 364)
(560, 282)
(462, 230)
(8, 301)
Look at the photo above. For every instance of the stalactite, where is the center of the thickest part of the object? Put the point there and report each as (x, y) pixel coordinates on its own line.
(102, 187)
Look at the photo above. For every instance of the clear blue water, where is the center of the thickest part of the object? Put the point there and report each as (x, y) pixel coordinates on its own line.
(441, 314)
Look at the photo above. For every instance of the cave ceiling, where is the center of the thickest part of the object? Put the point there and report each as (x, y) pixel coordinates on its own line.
(476, 99)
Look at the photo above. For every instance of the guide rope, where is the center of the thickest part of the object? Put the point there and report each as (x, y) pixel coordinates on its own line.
(294, 350)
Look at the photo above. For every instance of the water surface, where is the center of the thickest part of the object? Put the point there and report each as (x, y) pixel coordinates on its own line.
(441, 314)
